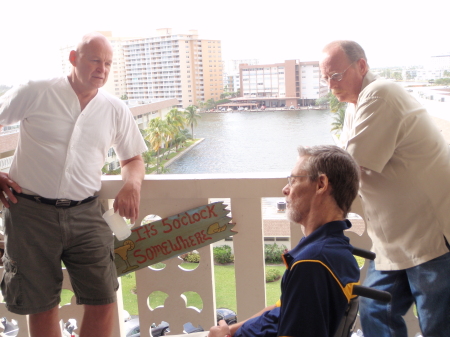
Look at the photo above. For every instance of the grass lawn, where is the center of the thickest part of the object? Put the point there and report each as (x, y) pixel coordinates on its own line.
(225, 289)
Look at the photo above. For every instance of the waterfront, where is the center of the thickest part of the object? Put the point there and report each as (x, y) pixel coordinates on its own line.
(241, 142)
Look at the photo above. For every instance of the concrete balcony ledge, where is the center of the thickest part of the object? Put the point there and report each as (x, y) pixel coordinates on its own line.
(166, 195)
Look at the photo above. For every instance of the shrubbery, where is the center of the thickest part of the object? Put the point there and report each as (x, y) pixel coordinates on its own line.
(272, 253)
(272, 275)
(222, 254)
(192, 257)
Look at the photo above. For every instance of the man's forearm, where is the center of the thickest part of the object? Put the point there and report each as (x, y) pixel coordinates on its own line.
(235, 327)
(128, 199)
(133, 171)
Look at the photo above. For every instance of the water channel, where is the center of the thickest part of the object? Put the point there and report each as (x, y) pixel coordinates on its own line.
(242, 142)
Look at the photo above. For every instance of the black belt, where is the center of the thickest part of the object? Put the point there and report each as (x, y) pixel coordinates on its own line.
(55, 202)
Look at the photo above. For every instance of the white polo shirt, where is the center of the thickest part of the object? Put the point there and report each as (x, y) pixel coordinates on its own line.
(405, 181)
(62, 149)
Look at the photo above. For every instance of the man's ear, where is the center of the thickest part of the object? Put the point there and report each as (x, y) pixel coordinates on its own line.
(322, 183)
(73, 57)
(362, 65)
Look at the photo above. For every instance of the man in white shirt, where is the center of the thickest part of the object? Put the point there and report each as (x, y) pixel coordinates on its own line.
(67, 126)
(405, 181)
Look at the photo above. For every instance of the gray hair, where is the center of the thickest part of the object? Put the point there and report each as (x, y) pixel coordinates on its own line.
(340, 168)
(352, 49)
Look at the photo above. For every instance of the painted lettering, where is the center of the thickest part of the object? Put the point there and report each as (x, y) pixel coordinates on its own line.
(211, 210)
(137, 256)
(201, 213)
(182, 220)
(150, 230)
(138, 232)
(168, 224)
(190, 219)
(196, 217)
(183, 242)
(174, 247)
(176, 223)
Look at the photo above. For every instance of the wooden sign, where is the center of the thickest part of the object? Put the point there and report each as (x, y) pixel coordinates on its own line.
(172, 236)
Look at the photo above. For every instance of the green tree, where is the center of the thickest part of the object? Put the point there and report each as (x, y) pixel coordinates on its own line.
(338, 121)
(210, 103)
(201, 105)
(181, 138)
(156, 135)
(442, 81)
(191, 117)
(176, 122)
(397, 76)
(337, 108)
(149, 159)
(124, 97)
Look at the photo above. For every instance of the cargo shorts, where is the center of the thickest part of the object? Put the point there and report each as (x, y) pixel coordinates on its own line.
(38, 237)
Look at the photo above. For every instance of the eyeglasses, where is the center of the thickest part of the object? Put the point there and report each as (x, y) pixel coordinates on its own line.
(335, 77)
(289, 178)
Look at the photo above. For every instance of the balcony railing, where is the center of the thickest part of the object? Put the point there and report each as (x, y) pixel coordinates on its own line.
(6, 162)
(166, 195)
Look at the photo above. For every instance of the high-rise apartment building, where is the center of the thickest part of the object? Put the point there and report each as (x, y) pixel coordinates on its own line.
(231, 76)
(178, 66)
(289, 83)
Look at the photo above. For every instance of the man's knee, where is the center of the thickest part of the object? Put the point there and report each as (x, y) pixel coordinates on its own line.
(103, 309)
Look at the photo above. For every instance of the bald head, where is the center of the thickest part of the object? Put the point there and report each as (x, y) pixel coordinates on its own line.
(343, 66)
(93, 38)
(351, 49)
(91, 62)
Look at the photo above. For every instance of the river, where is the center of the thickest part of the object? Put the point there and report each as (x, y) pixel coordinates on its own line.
(242, 142)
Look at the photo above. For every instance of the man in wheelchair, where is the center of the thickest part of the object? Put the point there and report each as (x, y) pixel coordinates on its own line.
(320, 271)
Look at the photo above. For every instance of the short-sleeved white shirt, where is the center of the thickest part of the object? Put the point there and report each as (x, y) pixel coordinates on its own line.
(62, 149)
(405, 181)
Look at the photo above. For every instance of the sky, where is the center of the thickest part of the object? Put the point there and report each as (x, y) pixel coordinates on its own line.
(393, 33)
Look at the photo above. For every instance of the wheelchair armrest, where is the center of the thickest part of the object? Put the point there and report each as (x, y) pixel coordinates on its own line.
(367, 254)
(374, 294)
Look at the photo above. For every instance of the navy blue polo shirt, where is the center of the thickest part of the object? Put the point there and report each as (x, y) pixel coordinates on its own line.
(315, 289)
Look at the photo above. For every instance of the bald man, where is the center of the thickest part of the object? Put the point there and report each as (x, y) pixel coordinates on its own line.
(67, 126)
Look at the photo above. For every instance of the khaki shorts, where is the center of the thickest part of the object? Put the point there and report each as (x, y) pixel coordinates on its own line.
(38, 237)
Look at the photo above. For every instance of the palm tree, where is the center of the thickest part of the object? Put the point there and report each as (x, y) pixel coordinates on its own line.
(180, 138)
(336, 107)
(175, 123)
(191, 117)
(156, 135)
(338, 121)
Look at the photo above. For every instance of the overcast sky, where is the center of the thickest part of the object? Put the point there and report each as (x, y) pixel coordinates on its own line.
(394, 32)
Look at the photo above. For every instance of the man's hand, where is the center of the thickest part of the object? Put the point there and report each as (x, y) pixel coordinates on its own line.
(220, 330)
(5, 189)
(128, 199)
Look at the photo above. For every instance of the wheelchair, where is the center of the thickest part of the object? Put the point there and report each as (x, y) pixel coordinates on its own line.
(348, 321)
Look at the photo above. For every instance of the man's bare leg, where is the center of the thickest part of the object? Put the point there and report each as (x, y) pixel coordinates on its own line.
(45, 324)
(97, 320)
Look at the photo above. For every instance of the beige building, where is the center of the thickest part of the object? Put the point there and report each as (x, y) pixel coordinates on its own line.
(231, 76)
(180, 66)
(292, 83)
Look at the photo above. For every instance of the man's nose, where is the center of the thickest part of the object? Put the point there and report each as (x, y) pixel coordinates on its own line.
(101, 67)
(286, 189)
(333, 83)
